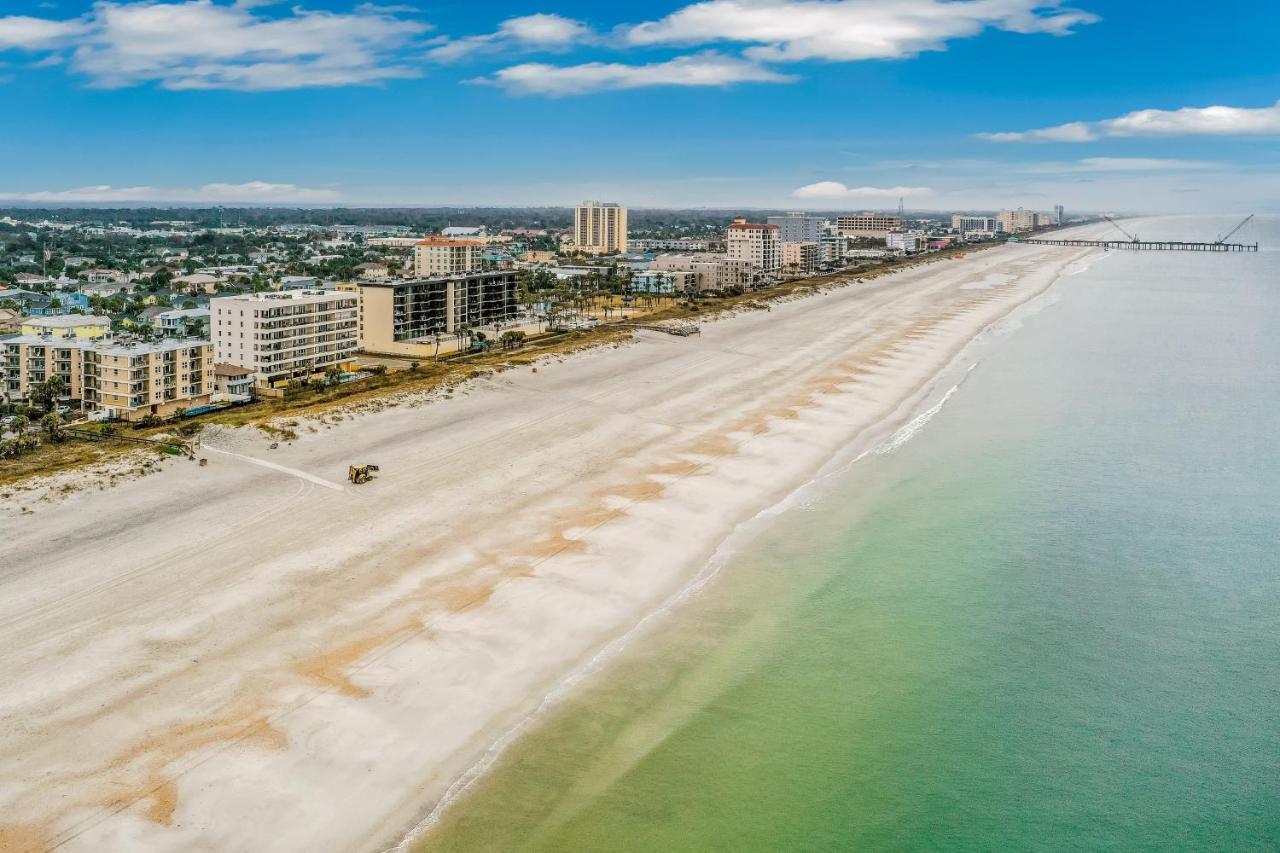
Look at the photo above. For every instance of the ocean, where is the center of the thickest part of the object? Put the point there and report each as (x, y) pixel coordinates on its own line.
(1047, 617)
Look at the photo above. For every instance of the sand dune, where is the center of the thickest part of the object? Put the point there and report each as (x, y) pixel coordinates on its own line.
(256, 656)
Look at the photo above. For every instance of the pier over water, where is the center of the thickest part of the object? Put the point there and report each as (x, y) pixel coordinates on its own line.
(1149, 245)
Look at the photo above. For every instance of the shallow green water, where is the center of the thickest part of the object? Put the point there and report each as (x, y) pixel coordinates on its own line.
(1051, 621)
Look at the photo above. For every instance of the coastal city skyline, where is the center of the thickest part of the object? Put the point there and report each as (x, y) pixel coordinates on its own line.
(970, 104)
(697, 425)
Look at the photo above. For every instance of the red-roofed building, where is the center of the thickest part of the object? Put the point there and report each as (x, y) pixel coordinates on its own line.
(437, 256)
(754, 242)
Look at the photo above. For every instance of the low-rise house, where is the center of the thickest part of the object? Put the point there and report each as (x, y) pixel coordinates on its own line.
(182, 321)
(372, 270)
(100, 275)
(105, 288)
(232, 380)
(197, 282)
(10, 321)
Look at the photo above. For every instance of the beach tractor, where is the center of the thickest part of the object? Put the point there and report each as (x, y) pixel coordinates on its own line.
(359, 474)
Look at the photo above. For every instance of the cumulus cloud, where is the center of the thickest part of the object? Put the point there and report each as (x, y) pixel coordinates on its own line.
(529, 32)
(250, 192)
(704, 69)
(201, 44)
(1188, 121)
(836, 191)
(850, 30)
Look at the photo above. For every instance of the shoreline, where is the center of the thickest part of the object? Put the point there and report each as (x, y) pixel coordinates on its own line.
(544, 516)
(884, 436)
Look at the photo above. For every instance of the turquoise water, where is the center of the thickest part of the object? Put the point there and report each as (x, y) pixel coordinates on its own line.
(1050, 621)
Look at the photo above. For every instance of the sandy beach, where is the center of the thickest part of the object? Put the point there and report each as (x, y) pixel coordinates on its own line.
(255, 655)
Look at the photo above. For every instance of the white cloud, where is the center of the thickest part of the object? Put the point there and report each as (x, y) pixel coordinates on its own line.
(528, 32)
(836, 191)
(1188, 121)
(704, 69)
(201, 44)
(250, 192)
(18, 32)
(849, 30)
(1142, 164)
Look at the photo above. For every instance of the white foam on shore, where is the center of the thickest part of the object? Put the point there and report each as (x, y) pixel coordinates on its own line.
(841, 462)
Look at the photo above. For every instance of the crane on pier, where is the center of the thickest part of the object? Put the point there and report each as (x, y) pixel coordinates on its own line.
(1225, 237)
(1132, 237)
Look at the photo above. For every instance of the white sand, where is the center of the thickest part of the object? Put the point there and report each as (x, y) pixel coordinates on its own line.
(256, 656)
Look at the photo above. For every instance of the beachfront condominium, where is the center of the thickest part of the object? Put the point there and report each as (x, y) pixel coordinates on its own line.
(1014, 221)
(798, 228)
(444, 256)
(963, 222)
(600, 227)
(799, 256)
(714, 272)
(399, 316)
(124, 378)
(869, 224)
(285, 335)
(757, 243)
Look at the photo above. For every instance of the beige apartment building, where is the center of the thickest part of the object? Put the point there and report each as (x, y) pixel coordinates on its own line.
(600, 227)
(286, 335)
(400, 316)
(1014, 221)
(758, 244)
(714, 272)
(869, 224)
(124, 378)
(799, 256)
(442, 256)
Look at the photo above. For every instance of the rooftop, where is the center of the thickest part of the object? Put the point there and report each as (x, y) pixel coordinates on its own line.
(67, 321)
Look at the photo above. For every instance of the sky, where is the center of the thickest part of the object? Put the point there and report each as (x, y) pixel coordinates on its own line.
(1125, 105)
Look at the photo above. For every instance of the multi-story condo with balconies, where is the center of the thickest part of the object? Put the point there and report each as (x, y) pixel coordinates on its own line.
(869, 224)
(758, 244)
(398, 315)
(441, 256)
(798, 227)
(286, 335)
(600, 227)
(125, 378)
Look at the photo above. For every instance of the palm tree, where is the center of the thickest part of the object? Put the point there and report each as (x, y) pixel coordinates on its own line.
(20, 425)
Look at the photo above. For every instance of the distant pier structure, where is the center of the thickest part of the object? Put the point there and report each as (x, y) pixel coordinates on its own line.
(1150, 245)
(1134, 244)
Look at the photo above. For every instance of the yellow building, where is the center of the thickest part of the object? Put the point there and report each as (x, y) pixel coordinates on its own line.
(126, 379)
(600, 227)
(68, 326)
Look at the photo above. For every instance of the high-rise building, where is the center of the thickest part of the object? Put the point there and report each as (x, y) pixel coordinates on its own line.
(442, 256)
(798, 228)
(600, 227)
(966, 223)
(1015, 221)
(757, 243)
(869, 224)
(284, 335)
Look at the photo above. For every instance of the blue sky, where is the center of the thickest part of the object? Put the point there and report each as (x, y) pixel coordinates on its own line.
(819, 104)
